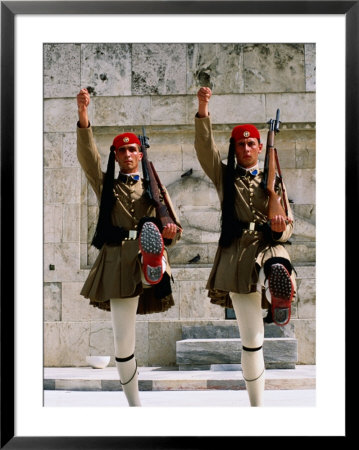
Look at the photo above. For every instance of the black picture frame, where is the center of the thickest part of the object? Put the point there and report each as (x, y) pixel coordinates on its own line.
(9, 9)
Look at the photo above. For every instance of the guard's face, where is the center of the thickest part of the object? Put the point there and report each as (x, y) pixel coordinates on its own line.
(247, 152)
(128, 157)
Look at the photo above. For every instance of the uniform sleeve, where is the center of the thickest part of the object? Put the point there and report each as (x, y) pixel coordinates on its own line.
(89, 158)
(207, 152)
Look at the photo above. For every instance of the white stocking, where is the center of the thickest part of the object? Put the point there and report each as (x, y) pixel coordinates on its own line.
(123, 315)
(249, 317)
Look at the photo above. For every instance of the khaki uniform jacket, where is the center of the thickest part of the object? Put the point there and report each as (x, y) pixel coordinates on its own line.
(234, 268)
(116, 272)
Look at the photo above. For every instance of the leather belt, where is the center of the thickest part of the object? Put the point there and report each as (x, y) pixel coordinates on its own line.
(251, 226)
(130, 235)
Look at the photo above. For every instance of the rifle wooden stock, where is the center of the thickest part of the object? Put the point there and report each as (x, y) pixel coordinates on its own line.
(155, 189)
(169, 211)
(277, 205)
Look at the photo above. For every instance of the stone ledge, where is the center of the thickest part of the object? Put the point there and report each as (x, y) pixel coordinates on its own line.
(202, 353)
(170, 379)
(228, 329)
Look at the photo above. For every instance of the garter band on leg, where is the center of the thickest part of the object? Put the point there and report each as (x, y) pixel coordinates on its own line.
(249, 349)
(122, 360)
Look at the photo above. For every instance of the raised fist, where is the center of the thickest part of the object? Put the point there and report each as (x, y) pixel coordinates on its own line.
(83, 100)
(204, 94)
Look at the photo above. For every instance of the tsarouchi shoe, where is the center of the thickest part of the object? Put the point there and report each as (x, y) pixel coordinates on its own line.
(152, 247)
(281, 290)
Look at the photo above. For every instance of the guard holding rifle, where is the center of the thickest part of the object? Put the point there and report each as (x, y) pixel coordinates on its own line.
(252, 272)
(131, 274)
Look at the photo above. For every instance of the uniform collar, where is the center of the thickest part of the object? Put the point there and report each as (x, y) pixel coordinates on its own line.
(242, 171)
(129, 178)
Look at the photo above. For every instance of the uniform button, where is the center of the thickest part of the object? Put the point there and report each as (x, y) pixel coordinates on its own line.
(132, 210)
(135, 226)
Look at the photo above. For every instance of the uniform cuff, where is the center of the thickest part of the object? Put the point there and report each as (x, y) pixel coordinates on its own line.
(277, 235)
(78, 125)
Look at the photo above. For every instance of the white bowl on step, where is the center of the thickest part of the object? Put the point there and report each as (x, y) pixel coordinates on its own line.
(98, 362)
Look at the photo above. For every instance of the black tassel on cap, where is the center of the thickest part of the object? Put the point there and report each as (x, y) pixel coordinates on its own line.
(228, 219)
(105, 231)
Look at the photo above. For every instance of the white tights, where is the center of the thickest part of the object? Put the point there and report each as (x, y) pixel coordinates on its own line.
(250, 321)
(249, 317)
(123, 315)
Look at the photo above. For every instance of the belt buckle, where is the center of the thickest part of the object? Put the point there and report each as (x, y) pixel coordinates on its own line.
(132, 234)
(252, 226)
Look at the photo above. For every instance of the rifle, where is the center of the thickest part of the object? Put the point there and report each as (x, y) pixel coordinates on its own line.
(153, 186)
(277, 205)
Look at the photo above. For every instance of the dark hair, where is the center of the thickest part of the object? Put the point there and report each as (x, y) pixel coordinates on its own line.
(228, 219)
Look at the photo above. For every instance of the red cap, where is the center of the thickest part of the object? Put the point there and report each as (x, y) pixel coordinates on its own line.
(245, 131)
(125, 139)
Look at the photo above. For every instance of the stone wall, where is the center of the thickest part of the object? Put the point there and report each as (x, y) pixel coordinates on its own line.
(155, 85)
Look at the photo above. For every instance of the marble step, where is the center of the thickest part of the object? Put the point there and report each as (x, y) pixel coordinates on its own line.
(300, 251)
(201, 354)
(171, 379)
(229, 329)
